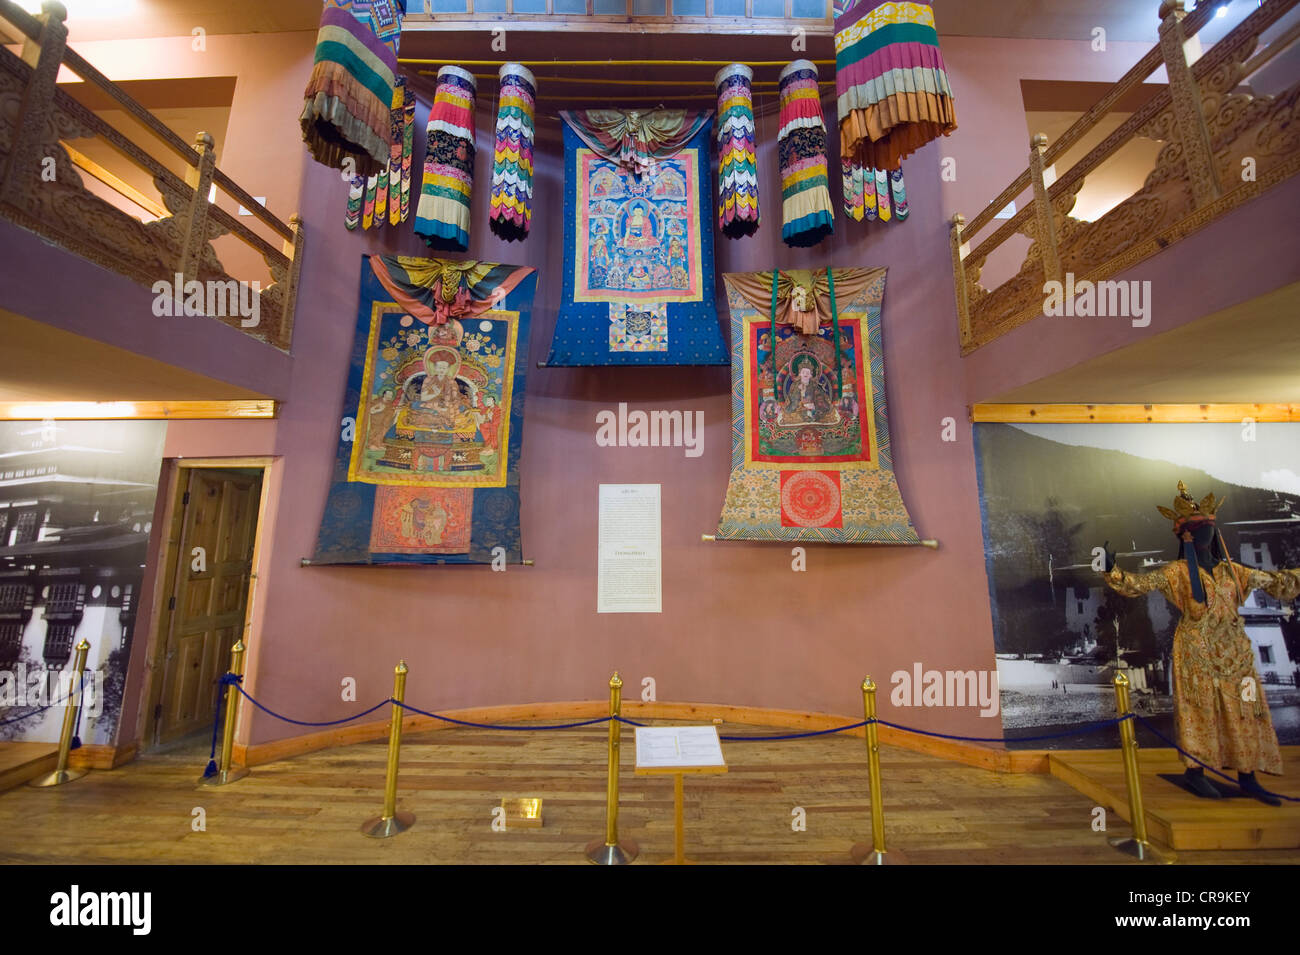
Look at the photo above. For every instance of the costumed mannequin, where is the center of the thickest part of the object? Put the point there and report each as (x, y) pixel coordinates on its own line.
(1222, 713)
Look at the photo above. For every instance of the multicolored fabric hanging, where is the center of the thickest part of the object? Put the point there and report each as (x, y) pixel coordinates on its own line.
(345, 114)
(810, 429)
(385, 198)
(873, 194)
(408, 149)
(638, 259)
(737, 154)
(892, 88)
(511, 208)
(806, 213)
(442, 215)
(427, 467)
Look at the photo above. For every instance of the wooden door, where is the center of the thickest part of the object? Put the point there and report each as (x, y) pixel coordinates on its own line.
(207, 607)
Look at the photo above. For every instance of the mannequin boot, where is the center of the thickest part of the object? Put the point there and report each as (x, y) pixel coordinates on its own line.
(1195, 781)
(1251, 787)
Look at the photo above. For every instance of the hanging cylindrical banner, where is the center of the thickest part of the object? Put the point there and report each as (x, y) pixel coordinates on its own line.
(737, 154)
(891, 84)
(345, 105)
(806, 213)
(442, 216)
(511, 208)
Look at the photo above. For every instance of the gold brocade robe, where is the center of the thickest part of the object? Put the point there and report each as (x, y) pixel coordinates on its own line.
(1214, 663)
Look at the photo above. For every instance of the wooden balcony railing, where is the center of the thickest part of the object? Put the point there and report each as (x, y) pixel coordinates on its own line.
(1222, 146)
(43, 191)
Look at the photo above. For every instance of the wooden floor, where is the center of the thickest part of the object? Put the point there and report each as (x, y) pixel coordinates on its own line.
(309, 809)
(1177, 818)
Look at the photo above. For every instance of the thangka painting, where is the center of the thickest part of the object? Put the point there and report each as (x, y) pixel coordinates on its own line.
(427, 467)
(638, 262)
(810, 428)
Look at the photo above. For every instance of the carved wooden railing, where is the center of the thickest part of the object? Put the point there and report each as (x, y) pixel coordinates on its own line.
(1222, 147)
(49, 198)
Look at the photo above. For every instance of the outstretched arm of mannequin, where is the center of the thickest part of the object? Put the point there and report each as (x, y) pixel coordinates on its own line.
(1136, 585)
(1280, 584)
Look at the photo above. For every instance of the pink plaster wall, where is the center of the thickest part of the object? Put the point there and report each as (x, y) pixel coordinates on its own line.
(738, 625)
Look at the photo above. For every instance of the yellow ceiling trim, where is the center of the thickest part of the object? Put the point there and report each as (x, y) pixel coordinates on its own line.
(1131, 413)
(150, 410)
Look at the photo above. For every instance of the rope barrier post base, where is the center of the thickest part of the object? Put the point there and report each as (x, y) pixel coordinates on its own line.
(1136, 845)
(62, 774)
(874, 852)
(226, 772)
(392, 822)
(611, 850)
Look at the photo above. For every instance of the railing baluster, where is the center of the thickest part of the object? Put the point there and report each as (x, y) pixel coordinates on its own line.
(959, 251)
(27, 143)
(1044, 215)
(294, 250)
(196, 217)
(1188, 114)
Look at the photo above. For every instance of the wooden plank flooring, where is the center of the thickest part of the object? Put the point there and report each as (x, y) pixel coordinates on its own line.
(309, 809)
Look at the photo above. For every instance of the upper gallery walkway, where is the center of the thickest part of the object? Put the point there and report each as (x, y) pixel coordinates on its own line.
(109, 228)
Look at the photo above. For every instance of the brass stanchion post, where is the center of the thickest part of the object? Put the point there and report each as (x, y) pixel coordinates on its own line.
(612, 851)
(874, 853)
(226, 773)
(1136, 845)
(392, 822)
(62, 774)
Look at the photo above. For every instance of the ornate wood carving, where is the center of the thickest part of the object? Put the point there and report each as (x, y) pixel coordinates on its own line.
(60, 209)
(1253, 143)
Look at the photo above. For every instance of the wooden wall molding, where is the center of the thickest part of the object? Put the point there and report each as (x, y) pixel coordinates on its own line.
(969, 754)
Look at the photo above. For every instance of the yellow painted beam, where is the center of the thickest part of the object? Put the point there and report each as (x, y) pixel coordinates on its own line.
(122, 188)
(1132, 413)
(105, 410)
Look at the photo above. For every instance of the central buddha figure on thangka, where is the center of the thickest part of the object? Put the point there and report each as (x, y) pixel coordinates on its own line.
(637, 236)
(435, 399)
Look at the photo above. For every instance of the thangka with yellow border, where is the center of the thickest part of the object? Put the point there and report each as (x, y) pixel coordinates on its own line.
(810, 428)
(427, 467)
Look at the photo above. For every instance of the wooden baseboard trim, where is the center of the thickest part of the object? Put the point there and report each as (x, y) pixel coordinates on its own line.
(102, 756)
(970, 754)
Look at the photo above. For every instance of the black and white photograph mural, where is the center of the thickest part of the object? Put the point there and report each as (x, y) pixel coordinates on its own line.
(76, 512)
(1052, 493)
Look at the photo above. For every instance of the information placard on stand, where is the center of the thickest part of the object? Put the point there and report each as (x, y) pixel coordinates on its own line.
(678, 750)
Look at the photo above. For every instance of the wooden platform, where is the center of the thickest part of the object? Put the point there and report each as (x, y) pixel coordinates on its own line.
(1175, 817)
(309, 809)
(20, 762)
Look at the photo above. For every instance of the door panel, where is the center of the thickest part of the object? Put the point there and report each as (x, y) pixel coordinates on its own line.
(210, 595)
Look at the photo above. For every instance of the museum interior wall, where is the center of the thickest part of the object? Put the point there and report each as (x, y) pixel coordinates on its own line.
(739, 625)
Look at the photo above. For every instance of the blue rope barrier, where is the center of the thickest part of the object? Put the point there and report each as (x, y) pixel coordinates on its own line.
(498, 726)
(764, 739)
(39, 709)
(1088, 728)
(286, 719)
(626, 722)
(1159, 735)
